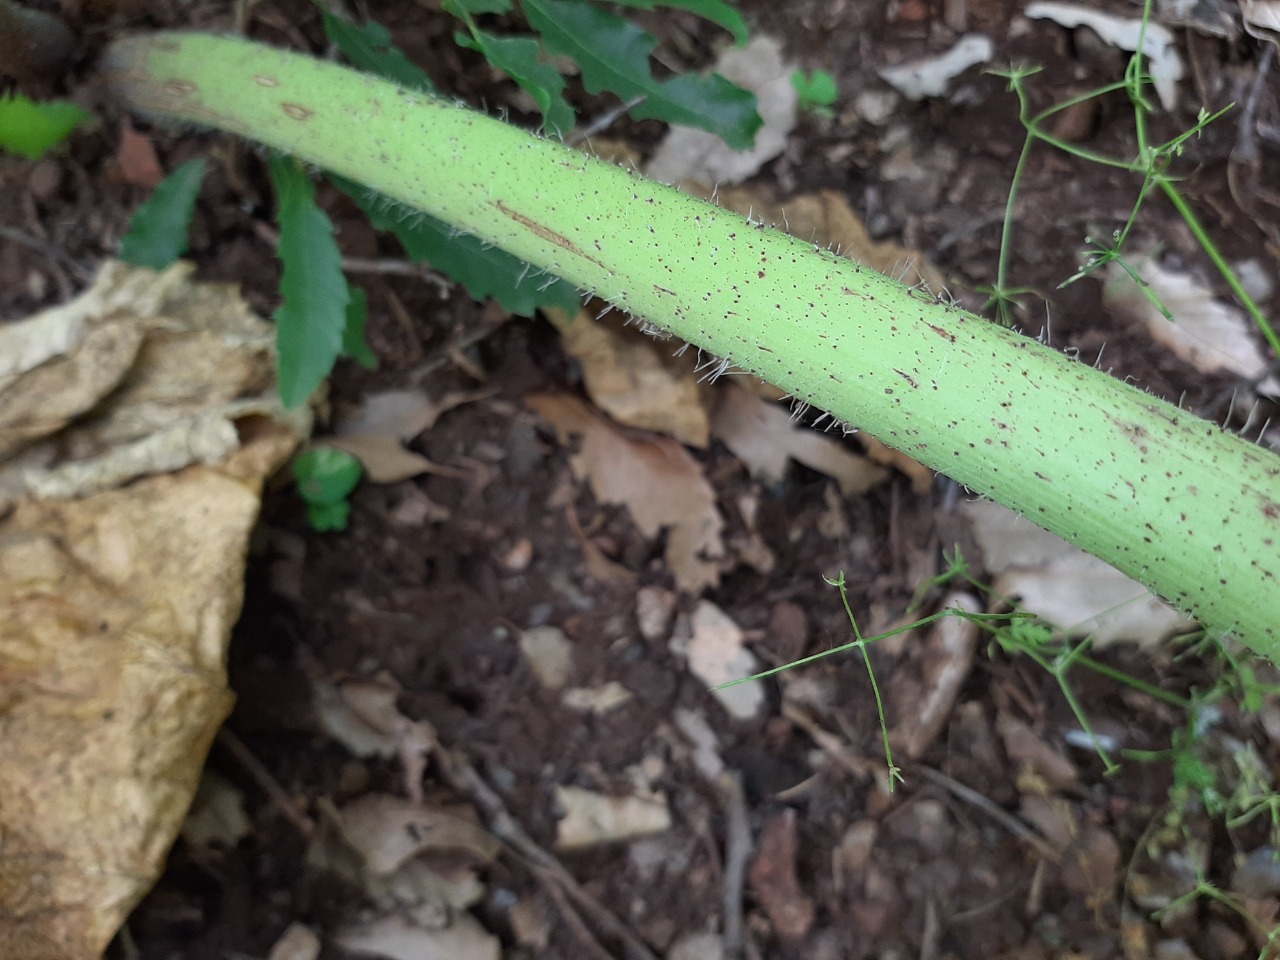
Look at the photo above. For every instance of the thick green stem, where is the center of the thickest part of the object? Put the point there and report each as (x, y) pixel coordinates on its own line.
(1166, 497)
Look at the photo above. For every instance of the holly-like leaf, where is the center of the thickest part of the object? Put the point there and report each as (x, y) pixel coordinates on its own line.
(518, 58)
(311, 321)
(157, 234)
(354, 344)
(613, 55)
(717, 11)
(32, 129)
(368, 46)
(484, 271)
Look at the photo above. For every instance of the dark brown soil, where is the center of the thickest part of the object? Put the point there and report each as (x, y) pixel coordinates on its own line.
(437, 604)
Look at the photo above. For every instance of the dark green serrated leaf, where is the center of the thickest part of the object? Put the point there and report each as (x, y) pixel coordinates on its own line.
(158, 232)
(477, 6)
(354, 344)
(484, 271)
(368, 46)
(614, 55)
(32, 129)
(311, 321)
(717, 11)
(517, 57)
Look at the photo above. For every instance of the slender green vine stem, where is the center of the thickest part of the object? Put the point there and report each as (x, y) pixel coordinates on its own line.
(1166, 497)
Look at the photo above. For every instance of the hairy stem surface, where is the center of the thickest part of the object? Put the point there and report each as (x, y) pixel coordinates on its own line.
(1166, 497)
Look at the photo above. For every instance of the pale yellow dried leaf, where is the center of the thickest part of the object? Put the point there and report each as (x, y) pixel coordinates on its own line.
(591, 819)
(115, 612)
(398, 938)
(387, 831)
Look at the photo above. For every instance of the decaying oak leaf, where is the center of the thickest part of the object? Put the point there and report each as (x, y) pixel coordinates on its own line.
(636, 379)
(657, 480)
(116, 608)
(765, 438)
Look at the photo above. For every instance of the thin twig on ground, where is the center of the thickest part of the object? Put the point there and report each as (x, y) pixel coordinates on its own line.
(979, 802)
(463, 777)
(737, 851)
(269, 784)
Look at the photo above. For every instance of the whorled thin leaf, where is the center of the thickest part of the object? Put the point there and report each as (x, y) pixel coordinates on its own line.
(311, 321)
(157, 234)
(518, 58)
(613, 55)
(717, 11)
(483, 270)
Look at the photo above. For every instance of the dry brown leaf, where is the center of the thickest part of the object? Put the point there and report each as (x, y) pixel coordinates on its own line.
(634, 377)
(136, 159)
(375, 432)
(774, 880)
(184, 365)
(1066, 586)
(923, 697)
(590, 819)
(921, 476)
(388, 831)
(826, 218)
(764, 437)
(687, 153)
(1031, 754)
(1206, 332)
(660, 484)
(217, 818)
(115, 612)
(399, 938)
(715, 647)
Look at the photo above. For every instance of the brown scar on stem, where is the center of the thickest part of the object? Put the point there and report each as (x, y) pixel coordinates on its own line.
(944, 334)
(546, 234)
(296, 111)
(264, 81)
(664, 290)
(906, 376)
(180, 88)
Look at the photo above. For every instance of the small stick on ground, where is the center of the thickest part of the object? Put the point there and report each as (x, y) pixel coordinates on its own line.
(737, 850)
(545, 867)
(269, 784)
(978, 801)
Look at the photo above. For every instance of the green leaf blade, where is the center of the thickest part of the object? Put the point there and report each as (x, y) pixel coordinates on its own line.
(485, 271)
(717, 11)
(30, 129)
(158, 232)
(311, 321)
(354, 344)
(518, 58)
(614, 55)
(369, 47)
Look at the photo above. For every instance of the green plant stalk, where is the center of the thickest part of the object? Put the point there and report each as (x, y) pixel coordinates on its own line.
(1166, 497)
